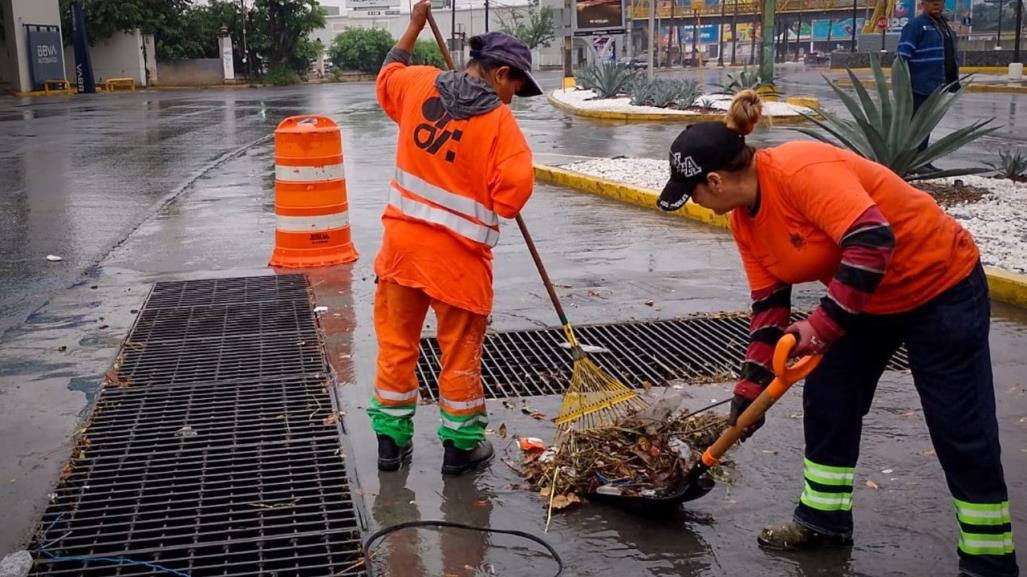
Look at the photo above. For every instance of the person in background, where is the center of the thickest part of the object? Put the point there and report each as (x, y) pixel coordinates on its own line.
(461, 164)
(898, 270)
(928, 45)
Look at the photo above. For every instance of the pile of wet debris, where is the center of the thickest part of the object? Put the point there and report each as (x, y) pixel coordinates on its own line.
(645, 454)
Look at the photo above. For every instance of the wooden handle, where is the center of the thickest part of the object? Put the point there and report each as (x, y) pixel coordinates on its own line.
(542, 271)
(786, 377)
(441, 41)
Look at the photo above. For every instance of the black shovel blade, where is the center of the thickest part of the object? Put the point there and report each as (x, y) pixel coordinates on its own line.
(691, 487)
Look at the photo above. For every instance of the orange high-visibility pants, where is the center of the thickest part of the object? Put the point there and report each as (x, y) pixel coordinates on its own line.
(399, 313)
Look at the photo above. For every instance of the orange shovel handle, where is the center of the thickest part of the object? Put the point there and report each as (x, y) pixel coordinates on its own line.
(785, 377)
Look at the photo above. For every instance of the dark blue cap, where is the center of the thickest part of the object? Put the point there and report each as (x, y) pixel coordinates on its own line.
(505, 49)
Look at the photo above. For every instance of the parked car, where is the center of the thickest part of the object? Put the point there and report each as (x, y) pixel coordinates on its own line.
(816, 58)
(638, 61)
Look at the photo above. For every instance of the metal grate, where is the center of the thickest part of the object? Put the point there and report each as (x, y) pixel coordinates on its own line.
(526, 363)
(214, 448)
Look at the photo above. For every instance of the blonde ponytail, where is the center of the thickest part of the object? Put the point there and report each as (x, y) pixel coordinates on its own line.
(745, 112)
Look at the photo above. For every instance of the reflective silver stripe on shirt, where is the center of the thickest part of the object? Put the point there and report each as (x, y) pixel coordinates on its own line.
(443, 197)
(312, 223)
(457, 224)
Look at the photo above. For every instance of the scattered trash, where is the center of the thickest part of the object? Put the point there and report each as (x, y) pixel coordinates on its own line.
(887, 471)
(608, 490)
(104, 327)
(185, 432)
(649, 303)
(561, 502)
(502, 431)
(329, 420)
(320, 309)
(62, 348)
(873, 485)
(590, 349)
(17, 564)
(531, 444)
(53, 258)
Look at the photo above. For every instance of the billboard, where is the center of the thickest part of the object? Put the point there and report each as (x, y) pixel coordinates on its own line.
(598, 15)
(46, 53)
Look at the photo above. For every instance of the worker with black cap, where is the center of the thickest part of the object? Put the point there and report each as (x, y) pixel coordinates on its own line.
(898, 270)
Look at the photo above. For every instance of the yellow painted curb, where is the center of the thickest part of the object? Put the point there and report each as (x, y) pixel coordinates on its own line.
(645, 116)
(1004, 286)
(1007, 287)
(624, 193)
(807, 101)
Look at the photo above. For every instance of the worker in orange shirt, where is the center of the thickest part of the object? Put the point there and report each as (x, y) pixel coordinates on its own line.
(897, 270)
(461, 163)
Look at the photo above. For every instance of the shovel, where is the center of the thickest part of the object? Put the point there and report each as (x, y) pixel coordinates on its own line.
(696, 483)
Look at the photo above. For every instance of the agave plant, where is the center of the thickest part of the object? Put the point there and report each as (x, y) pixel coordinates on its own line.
(584, 79)
(743, 80)
(1012, 164)
(664, 93)
(888, 132)
(608, 79)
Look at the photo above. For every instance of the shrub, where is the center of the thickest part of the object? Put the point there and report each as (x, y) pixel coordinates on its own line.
(665, 93)
(1012, 164)
(427, 52)
(362, 49)
(608, 79)
(282, 76)
(743, 80)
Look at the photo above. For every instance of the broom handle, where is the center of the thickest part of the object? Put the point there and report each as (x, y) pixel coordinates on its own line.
(520, 221)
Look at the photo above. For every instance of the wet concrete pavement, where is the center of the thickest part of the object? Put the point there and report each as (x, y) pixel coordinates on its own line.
(608, 258)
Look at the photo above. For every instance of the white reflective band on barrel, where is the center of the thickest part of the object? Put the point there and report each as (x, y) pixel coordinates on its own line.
(396, 396)
(462, 405)
(459, 225)
(312, 223)
(309, 173)
(443, 197)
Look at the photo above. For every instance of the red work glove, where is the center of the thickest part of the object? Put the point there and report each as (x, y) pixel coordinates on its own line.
(814, 334)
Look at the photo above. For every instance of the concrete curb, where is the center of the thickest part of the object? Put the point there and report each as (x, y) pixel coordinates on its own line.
(962, 69)
(624, 193)
(1005, 286)
(646, 116)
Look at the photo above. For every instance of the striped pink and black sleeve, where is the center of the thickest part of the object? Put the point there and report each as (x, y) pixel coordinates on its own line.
(867, 248)
(771, 309)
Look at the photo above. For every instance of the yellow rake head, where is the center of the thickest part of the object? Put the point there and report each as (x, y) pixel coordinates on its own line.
(594, 398)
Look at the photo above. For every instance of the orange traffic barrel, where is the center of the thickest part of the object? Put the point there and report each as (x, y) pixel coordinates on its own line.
(311, 210)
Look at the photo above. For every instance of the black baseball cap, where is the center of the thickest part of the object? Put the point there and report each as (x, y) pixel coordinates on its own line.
(506, 49)
(700, 149)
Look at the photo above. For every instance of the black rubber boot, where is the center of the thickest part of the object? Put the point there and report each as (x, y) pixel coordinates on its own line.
(794, 537)
(390, 455)
(457, 461)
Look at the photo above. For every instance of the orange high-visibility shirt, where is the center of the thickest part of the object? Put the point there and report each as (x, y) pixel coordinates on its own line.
(811, 193)
(453, 179)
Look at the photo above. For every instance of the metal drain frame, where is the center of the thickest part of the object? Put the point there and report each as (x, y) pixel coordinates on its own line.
(255, 465)
(694, 350)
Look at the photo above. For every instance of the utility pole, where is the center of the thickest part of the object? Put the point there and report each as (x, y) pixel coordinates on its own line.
(245, 49)
(734, 32)
(798, 37)
(767, 61)
(670, 34)
(854, 8)
(998, 39)
(720, 37)
(568, 46)
(452, 26)
(486, 16)
(652, 38)
(1019, 30)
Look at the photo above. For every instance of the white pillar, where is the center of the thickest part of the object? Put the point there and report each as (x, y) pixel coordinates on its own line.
(227, 55)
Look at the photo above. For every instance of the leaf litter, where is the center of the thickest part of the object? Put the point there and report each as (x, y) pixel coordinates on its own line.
(644, 454)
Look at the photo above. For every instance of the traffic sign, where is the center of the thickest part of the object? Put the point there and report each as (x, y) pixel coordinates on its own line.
(882, 23)
(698, 4)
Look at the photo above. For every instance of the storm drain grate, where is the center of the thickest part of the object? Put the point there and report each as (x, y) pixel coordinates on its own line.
(214, 448)
(532, 362)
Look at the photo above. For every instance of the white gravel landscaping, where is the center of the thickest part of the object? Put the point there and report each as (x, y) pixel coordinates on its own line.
(998, 222)
(585, 99)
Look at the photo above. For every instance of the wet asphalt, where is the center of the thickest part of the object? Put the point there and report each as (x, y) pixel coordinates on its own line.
(130, 189)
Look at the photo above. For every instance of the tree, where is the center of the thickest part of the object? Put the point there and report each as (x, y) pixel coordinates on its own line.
(533, 25)
(104, 18)
(362, 49)
(427, 52)
(281, 29)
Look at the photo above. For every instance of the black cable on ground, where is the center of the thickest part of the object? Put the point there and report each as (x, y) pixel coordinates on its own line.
(412, 524)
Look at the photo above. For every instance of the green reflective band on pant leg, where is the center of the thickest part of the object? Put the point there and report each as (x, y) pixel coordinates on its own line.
(984, 528)
(824, 501)
(828, 475)
(464, 430)
(393, 421)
